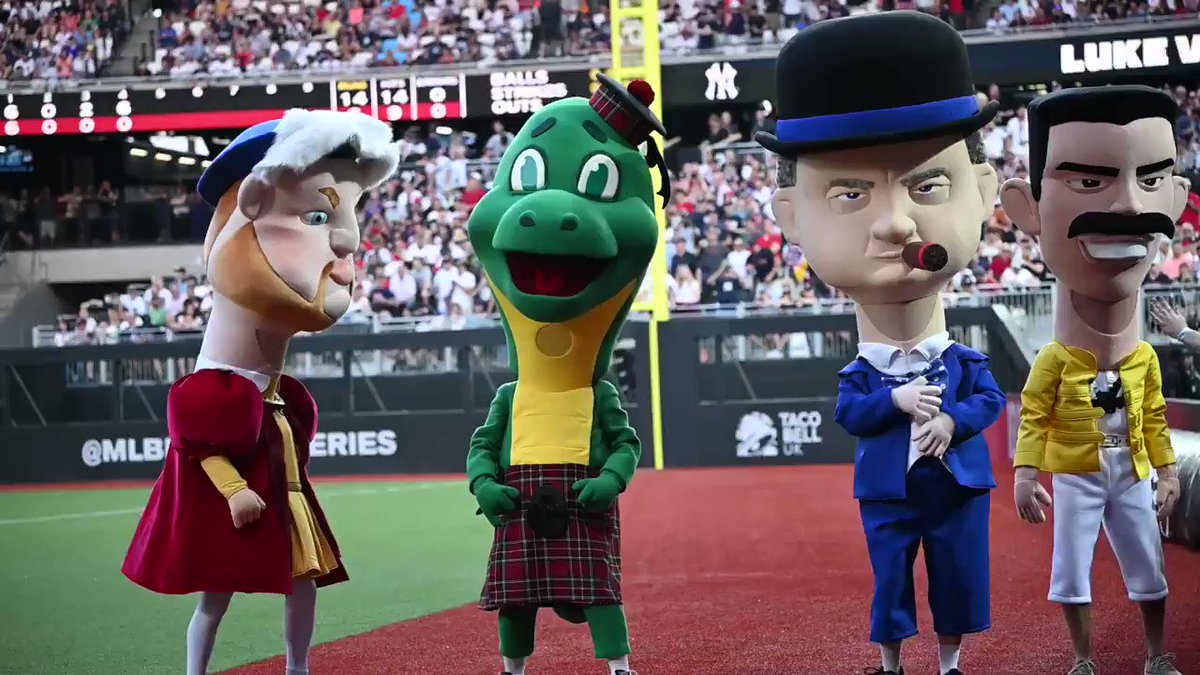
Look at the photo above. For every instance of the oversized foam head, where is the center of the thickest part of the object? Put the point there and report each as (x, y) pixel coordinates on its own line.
(285, 229)
(569, 222)
(880, 154)
(1101, 187)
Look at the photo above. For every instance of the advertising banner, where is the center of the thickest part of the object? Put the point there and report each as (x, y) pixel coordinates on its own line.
(369, 444)
(719, 81)
(1085, 56)
(1092, 58)
(765, 433)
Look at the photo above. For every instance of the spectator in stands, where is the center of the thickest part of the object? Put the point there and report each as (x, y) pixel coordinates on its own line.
(47, 217)
(158, 314)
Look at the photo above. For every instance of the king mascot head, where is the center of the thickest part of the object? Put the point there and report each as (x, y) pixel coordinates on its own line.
(567, 230)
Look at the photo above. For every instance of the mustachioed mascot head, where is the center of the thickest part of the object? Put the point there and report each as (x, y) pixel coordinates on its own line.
(284, 231)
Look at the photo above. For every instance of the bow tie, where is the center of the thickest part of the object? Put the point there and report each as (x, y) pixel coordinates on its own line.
(1110, 401)
(934, 373)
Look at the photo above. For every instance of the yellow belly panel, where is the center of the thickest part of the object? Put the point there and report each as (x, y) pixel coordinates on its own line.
(551, 427)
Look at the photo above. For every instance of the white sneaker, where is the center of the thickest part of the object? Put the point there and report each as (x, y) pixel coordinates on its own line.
(1083, 668)
(1163, 664)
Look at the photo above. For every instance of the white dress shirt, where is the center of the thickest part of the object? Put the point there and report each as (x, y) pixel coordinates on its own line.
(260, 380)
(891, 360)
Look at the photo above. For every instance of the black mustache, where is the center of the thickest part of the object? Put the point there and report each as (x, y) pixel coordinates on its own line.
(1121, 224)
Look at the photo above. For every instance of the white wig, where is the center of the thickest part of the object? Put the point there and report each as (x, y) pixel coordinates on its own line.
(304, 137)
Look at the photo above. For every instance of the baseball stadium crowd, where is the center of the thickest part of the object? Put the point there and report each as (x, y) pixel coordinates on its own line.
(723, 248)
(58, 39)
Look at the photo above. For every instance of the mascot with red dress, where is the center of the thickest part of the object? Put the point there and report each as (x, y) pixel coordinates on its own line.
(234, 511)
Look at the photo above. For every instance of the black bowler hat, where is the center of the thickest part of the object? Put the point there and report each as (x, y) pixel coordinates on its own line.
(873, 80)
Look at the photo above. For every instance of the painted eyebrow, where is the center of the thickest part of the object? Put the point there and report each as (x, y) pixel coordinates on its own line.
(1090, 169)
(1155, 167)
(542, 128)
(595, 131)
(922, 176)
(332, 195)
(852, 183)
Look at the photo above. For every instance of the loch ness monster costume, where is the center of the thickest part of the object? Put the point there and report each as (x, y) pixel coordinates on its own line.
(564, 237)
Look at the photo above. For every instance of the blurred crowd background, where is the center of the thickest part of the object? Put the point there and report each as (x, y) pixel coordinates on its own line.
(723, 246)
(59, 39)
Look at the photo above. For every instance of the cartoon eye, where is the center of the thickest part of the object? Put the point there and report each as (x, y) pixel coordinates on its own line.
(599, 177)
(528, 172)
(1151, 182)
(315, 218)
(1086, 184)
(932, 191)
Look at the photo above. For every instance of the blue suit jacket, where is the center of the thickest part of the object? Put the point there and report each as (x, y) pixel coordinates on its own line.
(865, 409)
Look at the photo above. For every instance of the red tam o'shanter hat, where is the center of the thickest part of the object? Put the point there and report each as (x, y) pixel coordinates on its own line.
(627, 110)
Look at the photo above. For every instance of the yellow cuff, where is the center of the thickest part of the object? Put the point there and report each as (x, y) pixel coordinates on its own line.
(1028, 458)
(223, 475)
(1161, 458)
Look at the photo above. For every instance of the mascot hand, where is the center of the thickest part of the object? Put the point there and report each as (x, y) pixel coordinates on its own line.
(245, 506)
(918, 399)
(1167, 496)
(1030, 496)
(598, 494)
(496, 500)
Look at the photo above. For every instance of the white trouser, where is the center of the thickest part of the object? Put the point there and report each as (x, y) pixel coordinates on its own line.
(1125, 506)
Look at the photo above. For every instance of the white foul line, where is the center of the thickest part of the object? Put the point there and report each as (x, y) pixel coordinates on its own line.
(329, 494)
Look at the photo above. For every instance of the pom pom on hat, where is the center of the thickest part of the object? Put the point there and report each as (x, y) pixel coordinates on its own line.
(642, 91)
(626, 109)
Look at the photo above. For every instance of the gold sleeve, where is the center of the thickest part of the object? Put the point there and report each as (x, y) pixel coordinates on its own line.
(1155, 429)
(223, 475)
(1037, 409)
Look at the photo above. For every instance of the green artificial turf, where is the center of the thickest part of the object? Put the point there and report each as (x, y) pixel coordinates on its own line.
(65, 609)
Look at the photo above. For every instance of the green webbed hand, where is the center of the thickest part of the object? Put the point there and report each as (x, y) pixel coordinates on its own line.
(599, 493)
(496, 500)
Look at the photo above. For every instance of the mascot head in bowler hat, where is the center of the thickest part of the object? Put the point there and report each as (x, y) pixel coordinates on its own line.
(882, 178)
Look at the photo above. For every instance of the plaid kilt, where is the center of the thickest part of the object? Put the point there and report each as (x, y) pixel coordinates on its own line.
(583, 568)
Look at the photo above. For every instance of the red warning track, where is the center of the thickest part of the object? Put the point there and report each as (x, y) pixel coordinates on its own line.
(765, 572)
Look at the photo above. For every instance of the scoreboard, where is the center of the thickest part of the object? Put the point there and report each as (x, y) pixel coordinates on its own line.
(229, 105)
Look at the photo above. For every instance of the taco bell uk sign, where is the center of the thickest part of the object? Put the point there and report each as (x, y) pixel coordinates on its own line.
(1100, 56)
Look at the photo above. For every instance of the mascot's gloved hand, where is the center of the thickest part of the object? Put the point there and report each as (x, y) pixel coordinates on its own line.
(496, 500)
(599, 493)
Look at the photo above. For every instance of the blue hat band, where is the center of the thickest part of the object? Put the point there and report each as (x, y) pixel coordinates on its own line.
(876, 122)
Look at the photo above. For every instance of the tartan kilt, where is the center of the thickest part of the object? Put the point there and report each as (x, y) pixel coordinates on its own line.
(582, 568)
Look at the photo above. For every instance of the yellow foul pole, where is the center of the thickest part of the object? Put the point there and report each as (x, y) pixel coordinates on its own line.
(636, 56)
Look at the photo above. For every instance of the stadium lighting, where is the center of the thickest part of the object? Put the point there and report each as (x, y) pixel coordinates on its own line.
(444, 131)
(138, 152)
(3, 148)
(187, 161)
(158, 13)
(162, 157)
(206, 164)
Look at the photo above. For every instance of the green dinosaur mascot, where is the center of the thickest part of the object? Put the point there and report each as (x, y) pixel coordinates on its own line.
(564, 236)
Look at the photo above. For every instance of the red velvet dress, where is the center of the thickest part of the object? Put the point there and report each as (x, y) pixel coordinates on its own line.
(186, 541)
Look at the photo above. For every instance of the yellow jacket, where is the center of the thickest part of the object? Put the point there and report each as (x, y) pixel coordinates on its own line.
(1059, 431)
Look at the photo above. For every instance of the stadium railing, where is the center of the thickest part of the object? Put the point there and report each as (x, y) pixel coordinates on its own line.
(1026, 311)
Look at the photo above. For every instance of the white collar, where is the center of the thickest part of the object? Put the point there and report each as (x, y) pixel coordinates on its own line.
(260, 380)
(891, 360)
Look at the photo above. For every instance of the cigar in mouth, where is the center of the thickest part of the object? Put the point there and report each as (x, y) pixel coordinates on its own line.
(925, 256)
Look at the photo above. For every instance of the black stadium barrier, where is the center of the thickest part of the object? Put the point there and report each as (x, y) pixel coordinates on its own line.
(749, 390)
(98, 412)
